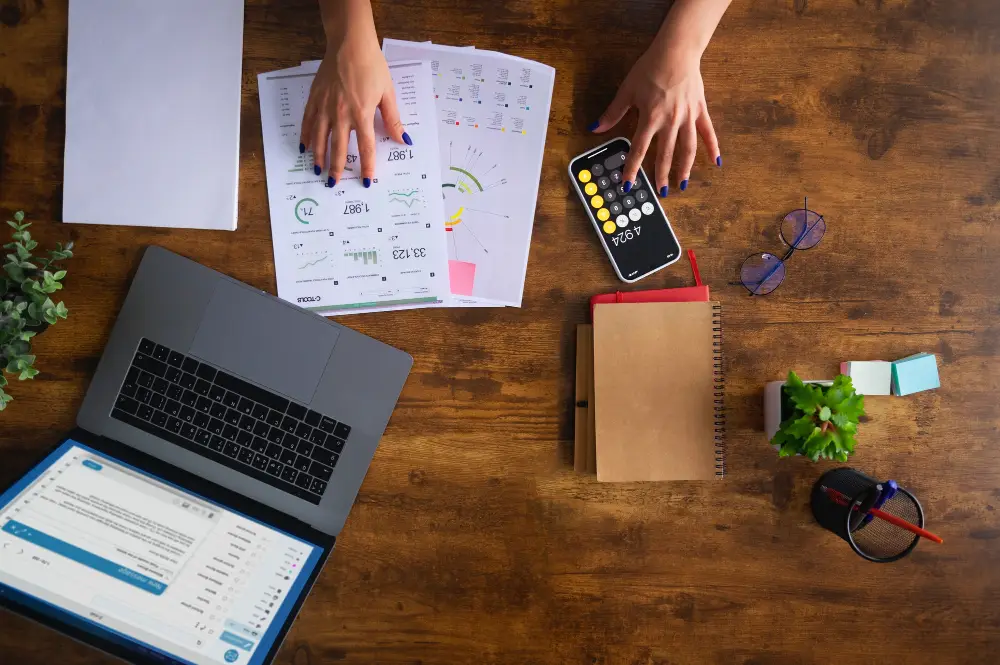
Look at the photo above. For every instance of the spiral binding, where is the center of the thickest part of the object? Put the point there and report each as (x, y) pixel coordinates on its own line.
(719, 396)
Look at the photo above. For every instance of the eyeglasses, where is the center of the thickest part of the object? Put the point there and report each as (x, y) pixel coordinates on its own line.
(761, 273)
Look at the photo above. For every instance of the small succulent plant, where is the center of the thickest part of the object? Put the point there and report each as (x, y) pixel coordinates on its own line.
(824, 422)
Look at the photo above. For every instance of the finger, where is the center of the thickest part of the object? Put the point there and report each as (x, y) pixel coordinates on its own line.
(390, 118)
(616, 110)
(640, 144)
(320, 134)
(340, 138)
(687, 143)
(308, 121)
(664, 158)
(365, 128)
(707, 132)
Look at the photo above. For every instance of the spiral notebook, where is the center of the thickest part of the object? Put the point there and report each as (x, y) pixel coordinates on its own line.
(658, 391)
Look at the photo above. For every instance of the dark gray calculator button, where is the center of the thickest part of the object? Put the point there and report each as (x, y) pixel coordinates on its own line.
(597, 170)
(628, 202)
(616, 176)
(641, 195)
(621, 189)
(615, 161)
(609, 195)
(615, 208)
(603, 182)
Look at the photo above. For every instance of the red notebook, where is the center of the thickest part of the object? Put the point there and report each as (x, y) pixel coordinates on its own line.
(696, 293)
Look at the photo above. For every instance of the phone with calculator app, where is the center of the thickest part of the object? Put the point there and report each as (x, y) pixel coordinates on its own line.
(632, 226)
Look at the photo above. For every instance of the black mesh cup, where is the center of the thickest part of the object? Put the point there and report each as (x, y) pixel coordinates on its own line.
(873, 538)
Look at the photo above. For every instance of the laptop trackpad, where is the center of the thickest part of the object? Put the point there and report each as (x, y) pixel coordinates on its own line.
(267, 342)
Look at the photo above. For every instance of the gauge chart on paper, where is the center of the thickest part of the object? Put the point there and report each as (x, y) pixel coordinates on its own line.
(468, 183)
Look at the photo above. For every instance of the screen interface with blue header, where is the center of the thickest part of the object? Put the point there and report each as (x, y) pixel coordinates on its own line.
(108, 548)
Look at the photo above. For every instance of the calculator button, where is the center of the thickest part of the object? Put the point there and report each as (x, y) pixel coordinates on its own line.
(597, 201)
(603, 214)
(641, 195)
(615, 208)
(609, 227)
(622, 221)
(597, 170)
(609, 195)
(634, 214)
(616, 176)
(647, 208)
(603, 182)
(628, 202)
(584, 176)
(620, 189)
(590, 188)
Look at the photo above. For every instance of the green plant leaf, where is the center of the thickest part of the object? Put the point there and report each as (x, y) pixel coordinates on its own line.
(19, 216)
(22, 252)
(59, 275)
(825, 413)
(50, 316)
(804, 396)
(61, 310)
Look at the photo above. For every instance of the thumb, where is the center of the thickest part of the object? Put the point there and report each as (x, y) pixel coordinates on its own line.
(616, 110)
(390, 118)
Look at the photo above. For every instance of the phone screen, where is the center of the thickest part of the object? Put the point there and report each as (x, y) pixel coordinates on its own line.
(632, 226)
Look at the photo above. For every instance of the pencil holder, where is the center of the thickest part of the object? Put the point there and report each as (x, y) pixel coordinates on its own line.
(874, 539)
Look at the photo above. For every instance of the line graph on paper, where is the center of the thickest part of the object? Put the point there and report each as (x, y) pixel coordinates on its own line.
(407, 198)
(469, 183)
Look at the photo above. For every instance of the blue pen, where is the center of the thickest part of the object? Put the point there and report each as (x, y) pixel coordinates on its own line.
(889, 489)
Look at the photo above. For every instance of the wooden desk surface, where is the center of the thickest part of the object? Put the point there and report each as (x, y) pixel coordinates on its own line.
(472, 539)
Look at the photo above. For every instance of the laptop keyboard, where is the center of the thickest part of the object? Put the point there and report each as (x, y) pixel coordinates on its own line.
(224, 418)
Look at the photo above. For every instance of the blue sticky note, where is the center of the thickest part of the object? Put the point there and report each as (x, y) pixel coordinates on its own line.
(914, 374)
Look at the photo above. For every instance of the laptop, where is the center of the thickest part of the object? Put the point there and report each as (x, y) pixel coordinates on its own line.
(219, 448)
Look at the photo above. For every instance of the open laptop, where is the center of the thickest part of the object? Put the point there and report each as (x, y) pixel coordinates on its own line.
(220, 447)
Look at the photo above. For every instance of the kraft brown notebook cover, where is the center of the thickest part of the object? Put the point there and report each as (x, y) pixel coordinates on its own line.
(584, 378)
(658, 391)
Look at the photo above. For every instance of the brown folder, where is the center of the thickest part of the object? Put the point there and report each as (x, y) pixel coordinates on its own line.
(658, 391)
(584, 381)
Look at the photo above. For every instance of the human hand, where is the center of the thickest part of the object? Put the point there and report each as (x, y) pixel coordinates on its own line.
(352, 81)
(667, 89)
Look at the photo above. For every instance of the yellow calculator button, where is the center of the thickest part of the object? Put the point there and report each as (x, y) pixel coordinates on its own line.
(597, 201)
(584, 176)
(609, 227)
(603, 214)
(591, 188)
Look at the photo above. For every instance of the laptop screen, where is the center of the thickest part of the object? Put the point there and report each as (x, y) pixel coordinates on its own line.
(120, 553)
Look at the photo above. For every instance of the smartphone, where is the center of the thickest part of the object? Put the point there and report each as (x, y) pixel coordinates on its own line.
(632, 226)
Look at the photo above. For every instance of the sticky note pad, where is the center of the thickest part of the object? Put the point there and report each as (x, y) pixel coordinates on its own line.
(870, 377)
(914, 374)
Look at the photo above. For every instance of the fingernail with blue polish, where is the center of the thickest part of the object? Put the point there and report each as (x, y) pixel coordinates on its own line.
(684, 185)
(664, 191)
(627, 187)
(317, 170)
(331, 181)
(718, 160)
(406, 139)
(592, 126)
(368, 182)
(302, 148)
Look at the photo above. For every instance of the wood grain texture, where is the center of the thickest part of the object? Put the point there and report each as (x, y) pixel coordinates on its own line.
(473, 541)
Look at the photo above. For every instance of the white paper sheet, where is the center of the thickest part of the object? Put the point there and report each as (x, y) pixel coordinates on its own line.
(153, 113)
(353, 249)
(492, 112)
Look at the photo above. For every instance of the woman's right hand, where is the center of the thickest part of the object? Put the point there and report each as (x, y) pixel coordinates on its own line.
(353, 80)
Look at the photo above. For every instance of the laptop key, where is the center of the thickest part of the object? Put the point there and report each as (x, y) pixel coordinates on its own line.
(334, 444)
(216, 393)
(258, 445)
(318, 486)
(289, 424)
(304, 447)
(312, 418)
(188, 398)
(318, 437)
(161, 352)
(151, 365)
(190, 365)
(245, 406)
(303, 431)
(202, 387)
(274, 467)
(175, 359)
(229, 432)
(174, 391)
(217, 443)
(342, 431)
(303, 480)
(143, 394)
(273, 450)
(244, 438)
(259, 462)
(218, 411)
(129, 389)
(322, 456)
(290, 441)
(159, 419)
(296, 411)
(174, 425)
(172, 408)
(173, 375)
(206, 372)
(145, 412)
(215, 426)
(327, 424)
(274, 418)
(203, 404)
(201, 419)
(187, 381)
(289, 474)
(231, 450)
(187, 414)
(157, 401)
(232, 416)
(160, 385)
(146, 346)
(259, 411)
(188, 431)
(261, 428)
(145, 379)
(320, 470)
(302, 463)
(231, 400)
(275, 435)
(203, 437)
(247, 423)
(287, 456)
(245, 455)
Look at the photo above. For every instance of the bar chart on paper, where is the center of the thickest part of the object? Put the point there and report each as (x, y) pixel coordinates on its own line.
(366, 256)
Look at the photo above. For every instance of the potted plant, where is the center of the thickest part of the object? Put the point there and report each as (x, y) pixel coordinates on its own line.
(26, 308)
(818, 419)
